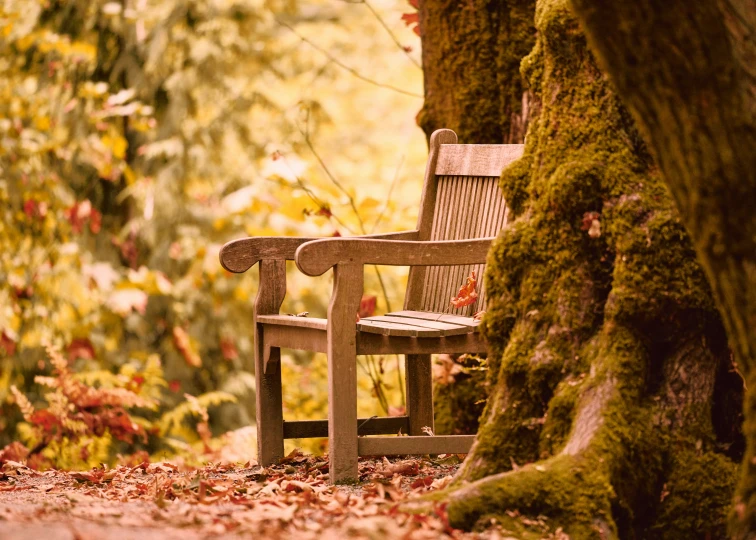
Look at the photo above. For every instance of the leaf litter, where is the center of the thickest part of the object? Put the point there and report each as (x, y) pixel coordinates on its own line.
(166, 500)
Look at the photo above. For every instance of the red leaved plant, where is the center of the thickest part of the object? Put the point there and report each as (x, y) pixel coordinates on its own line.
(76, 410)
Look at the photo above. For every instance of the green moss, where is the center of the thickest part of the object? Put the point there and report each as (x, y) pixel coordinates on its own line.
(570, 491)
(696, 497)
(580, 324)
(559, 417)
(457, 406)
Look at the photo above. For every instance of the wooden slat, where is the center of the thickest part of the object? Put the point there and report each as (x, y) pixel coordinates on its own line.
(396, 329)
(426, 215)
(379, 344)
(400, 446)
(453, 319)
(476, 159)
(292, 337)
(308, 429)
(289, 320)
(446, 329)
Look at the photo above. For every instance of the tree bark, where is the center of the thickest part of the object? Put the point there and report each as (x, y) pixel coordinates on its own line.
(471, 62)
(687, 72)
(614, 409)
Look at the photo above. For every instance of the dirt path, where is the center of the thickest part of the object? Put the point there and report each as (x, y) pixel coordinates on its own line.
(161, 500)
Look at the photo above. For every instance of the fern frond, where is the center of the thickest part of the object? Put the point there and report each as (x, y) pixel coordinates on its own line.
(27, 409)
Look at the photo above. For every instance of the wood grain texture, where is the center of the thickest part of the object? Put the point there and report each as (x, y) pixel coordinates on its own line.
(342, 372)
(270, 296)
(308, 429)
(296, 337)
(240, 255)
(288, 320)
(467, 207)
(444, 328)
(397, 328)
(419, 389)
(476, 159)
(380, 344)
(400, 446)
(425, 214)
(316, 257)
(442, 317)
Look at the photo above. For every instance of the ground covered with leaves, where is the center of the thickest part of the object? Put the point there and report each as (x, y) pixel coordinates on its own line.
(164, 500)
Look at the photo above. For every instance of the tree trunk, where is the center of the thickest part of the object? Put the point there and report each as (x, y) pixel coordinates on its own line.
(471, 61)
(614, 408)
(693, 93)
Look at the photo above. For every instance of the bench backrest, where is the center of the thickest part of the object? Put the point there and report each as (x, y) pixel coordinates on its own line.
(461, 199)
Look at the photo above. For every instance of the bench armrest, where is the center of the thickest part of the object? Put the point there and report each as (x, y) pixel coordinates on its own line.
(240, 255)
(317, 256)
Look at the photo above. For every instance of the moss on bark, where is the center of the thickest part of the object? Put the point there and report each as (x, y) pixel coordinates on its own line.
(687, 72)
(607, 349)
(471, 57)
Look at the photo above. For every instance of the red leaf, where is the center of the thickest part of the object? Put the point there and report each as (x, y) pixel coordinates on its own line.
(324, 211)
(467, 294)
(15, 451)
(422, 482)
(95, 221)
(7, 343)
(80, 348)
(588, 218)
(44, 419)
(367, 306)
(228, 349)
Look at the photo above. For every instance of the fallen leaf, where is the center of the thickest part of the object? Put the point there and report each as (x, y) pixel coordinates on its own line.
(467, 294)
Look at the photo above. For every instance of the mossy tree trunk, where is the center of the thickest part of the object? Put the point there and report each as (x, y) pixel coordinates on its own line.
(691, 87)
(615, 410)
(471, 61)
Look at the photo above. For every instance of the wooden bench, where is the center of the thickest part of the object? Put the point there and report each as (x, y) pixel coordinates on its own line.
(461, 211)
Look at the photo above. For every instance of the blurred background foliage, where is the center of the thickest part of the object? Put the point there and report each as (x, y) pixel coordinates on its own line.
(137, 136)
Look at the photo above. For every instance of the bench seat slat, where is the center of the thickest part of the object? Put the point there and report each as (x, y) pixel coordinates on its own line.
(429, 316)
(396, 329)
(446, 329)
(290, 320)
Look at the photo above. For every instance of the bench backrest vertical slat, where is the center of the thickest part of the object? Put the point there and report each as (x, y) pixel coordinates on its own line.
(462, 185)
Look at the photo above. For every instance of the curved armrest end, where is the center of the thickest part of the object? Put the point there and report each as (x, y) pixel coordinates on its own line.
(236, 257)
(310, 259)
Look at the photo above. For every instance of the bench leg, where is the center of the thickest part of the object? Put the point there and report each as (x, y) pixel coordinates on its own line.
(270, 296)
(419, 385)
(270, 440)
(342, 373)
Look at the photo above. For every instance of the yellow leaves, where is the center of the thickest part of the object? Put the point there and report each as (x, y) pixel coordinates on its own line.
(42, 123)
(116, 144)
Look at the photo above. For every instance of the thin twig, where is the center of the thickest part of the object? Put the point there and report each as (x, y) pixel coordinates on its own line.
(388, 195)
(390, 33)
(314, 198)
(333, 180)
(343, 65)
